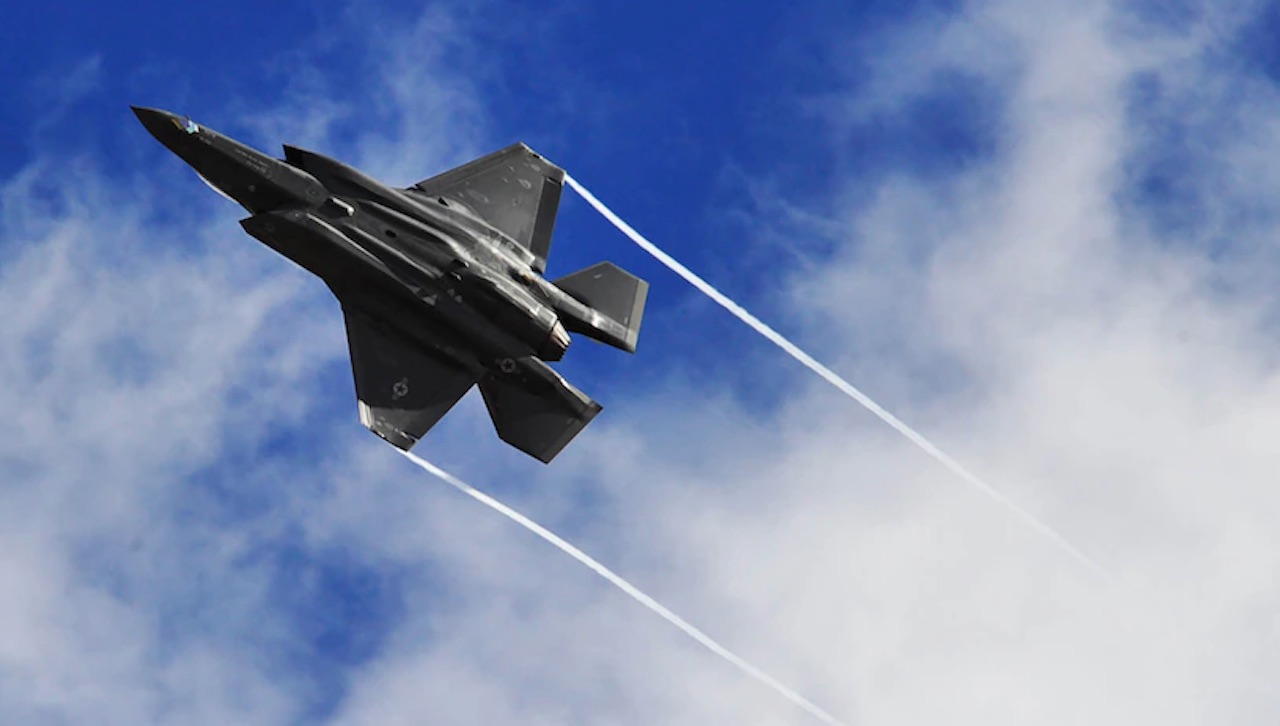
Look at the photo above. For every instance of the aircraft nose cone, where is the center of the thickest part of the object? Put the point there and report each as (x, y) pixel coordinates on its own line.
(143, 113)
(155, 120)
(167, 127)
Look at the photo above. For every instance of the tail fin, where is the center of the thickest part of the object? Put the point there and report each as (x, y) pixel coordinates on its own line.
(538, 420)
(615, 294)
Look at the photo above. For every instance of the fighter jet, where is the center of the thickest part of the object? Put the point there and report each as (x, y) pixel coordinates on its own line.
(440, 283)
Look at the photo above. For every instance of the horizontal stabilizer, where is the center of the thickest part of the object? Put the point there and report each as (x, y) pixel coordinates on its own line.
(613, 292)
(403, 390)
(538, 422)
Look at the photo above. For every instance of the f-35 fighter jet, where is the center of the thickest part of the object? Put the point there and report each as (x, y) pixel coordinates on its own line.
(441, 283)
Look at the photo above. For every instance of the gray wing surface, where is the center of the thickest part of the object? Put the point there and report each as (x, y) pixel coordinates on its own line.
(403, 390)
(538, 422)
(515, 190)
(616, 294)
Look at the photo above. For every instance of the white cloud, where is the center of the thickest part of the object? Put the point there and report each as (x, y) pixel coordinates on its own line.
(1025, 311)
(151, 353)
(121, 362)
(1120, 384)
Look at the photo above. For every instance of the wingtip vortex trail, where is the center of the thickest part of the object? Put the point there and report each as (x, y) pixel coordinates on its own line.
(839, 383)
(631, 590)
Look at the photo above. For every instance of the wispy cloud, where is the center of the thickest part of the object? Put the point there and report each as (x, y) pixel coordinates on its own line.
(154, 362)
(1120, 384)
(182, 481)
(122, 366)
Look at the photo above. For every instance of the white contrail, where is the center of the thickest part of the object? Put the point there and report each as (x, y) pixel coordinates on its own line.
(626, 587)
(831, 377)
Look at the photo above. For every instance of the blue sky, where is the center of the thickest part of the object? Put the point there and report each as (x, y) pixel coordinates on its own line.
(1043, 232)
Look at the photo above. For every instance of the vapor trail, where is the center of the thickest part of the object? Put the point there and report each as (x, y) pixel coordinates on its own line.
(831, 377)
(635, 592)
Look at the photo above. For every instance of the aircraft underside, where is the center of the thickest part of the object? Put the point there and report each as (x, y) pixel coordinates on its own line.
(440, 283)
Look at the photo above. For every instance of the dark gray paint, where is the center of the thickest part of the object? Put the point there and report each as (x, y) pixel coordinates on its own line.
(440, 283)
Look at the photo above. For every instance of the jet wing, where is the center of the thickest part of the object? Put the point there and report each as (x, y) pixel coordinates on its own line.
(541, 416)
(514, 190)
(403, 389)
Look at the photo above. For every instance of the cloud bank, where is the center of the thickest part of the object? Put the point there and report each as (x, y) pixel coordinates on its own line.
(1076, 304)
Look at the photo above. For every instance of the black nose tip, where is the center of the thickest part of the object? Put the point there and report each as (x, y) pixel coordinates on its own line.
(144, 114)
(157, 122)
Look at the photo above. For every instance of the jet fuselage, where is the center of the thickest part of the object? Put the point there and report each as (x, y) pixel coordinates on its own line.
(440, 283)
(450, 280)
